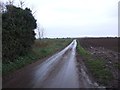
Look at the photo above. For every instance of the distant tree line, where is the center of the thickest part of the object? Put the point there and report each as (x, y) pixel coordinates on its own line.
(18, 35)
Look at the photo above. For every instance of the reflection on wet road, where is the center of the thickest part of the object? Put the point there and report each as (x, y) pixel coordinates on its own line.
(58, 71)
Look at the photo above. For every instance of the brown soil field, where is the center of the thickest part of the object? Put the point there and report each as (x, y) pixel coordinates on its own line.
(108, 50)
(109, 43)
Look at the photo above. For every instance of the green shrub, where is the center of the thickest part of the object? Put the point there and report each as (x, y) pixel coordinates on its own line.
(18, 32)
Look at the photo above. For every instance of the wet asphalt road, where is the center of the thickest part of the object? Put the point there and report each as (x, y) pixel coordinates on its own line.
(58, 71)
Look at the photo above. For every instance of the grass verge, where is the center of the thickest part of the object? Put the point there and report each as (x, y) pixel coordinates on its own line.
(97, 66)
(40, 49)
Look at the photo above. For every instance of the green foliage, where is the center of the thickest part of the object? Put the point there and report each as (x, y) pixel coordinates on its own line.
(18, 32)
(82, 51)
(99, 71)
(117, 65)
(18, 63)
(40, 49)
(96, 66)
(47, 47)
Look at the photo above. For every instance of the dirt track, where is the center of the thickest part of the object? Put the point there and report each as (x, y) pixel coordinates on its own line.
(58, 71)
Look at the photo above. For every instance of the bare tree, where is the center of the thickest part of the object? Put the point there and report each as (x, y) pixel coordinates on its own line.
(2, 7)
(10, 2)
(22, 3)
(40, 30)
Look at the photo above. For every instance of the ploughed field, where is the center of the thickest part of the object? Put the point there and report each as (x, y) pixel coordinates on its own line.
(109, 43)
(106, 51)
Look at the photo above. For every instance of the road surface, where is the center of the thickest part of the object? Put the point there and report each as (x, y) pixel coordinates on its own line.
(58, 71)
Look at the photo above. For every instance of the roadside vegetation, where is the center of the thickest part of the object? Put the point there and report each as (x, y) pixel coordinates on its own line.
(18, 32)
(96, 67)
(40, 49)
(18, 35)
(19, 46)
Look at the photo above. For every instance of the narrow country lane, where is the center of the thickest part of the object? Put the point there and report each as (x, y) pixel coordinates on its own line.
(58, 71)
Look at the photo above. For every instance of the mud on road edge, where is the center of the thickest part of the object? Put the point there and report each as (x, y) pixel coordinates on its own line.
(87, 74)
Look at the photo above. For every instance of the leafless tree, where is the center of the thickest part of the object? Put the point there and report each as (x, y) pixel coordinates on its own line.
(22, 3)
(40, 30)
(2, 7)
(10, 2)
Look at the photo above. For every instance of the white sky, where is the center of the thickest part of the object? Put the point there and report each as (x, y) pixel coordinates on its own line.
(76, 18)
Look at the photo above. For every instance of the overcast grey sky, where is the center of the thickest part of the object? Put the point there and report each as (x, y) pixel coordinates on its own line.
(76, 18)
